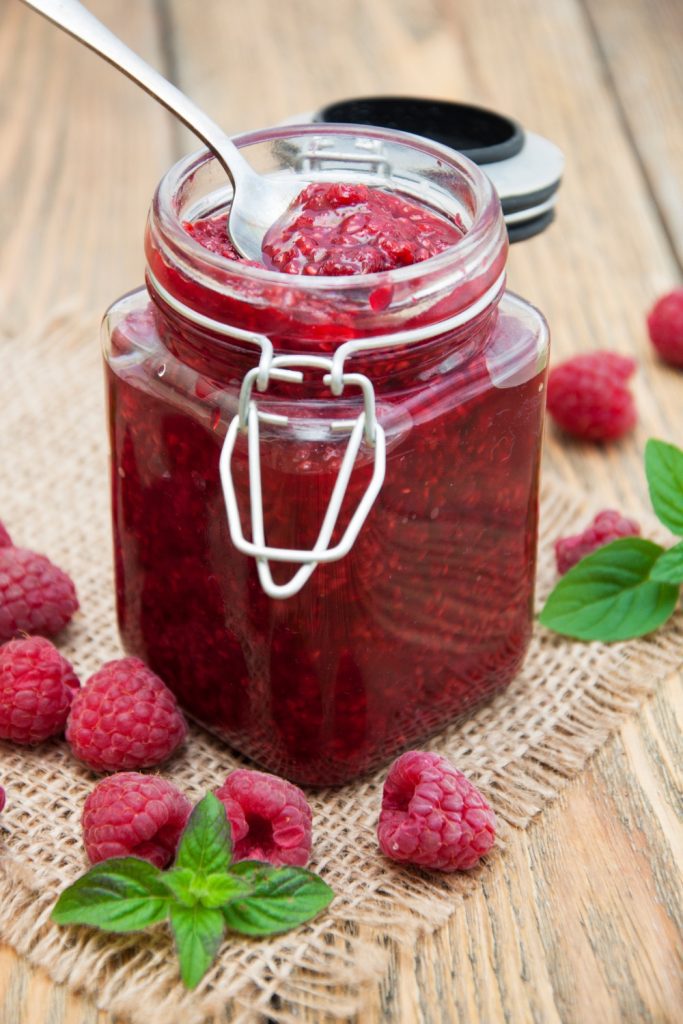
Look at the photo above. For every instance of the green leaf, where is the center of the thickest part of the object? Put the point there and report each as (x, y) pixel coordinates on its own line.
(280, 899)
(198, 933)
(669, 566)
(179, 882)
(219, 889)
(609, 595)
(664, 469)
(124, 894)
(209, 890)
(206, 845)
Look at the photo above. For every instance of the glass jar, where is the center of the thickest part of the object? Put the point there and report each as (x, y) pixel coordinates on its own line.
(321, 664)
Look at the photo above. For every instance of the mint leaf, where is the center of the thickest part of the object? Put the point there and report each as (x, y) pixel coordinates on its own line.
(209, 890)
(198, 933)
(664, 469)
(609, 594)
(179, 882)
(280, 899)
(206, 844)
(219, 889)
(124, 894)
(669, 566)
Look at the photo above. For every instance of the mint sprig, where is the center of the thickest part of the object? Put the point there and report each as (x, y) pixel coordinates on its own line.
(201, 895)
(630, 587)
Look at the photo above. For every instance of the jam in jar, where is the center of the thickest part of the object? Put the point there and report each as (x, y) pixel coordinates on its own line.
(322, 612)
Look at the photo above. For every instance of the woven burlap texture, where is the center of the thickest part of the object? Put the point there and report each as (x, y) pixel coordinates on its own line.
(519, 748)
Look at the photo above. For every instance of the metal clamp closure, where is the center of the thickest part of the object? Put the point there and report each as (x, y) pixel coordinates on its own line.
(247, 420)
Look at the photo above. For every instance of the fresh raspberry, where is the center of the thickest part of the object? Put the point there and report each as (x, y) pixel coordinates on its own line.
(37, 686)
(606, 527)
(270, 818)
(5, 539)
(432, 815)
(588, 397)
(134, 815)
(124, 717)
(665, 324)
(35, 596)
(2, 799)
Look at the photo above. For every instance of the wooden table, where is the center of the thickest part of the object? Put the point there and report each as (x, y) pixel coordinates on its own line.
(581, 921)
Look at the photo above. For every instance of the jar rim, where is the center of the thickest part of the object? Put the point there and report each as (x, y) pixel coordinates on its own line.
(486, 232)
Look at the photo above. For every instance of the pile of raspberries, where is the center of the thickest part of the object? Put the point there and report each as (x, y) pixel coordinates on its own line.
(124, 718)
(431, 816)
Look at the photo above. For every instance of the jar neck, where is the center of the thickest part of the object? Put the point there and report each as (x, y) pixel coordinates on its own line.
(212, 349)
(210, 308)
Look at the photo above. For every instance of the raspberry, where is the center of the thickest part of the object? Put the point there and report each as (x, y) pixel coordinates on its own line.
(124, 717)
(588, 397)
(270, 818)
(134, 815)
(2, 799)
(5, 539)
(432, 815)
(665, 324)
(37, 686)
(606, 527)
(35, 596)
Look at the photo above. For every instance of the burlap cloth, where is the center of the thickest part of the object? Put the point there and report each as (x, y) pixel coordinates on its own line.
(519, 749)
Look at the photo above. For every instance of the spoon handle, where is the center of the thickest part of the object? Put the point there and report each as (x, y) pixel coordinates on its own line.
(73, 18)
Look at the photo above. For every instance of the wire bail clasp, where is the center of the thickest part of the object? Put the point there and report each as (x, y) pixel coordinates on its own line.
(247, 420)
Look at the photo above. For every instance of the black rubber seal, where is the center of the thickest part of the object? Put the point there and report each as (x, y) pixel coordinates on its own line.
(482, 135)
(528, 228)
(514, 204)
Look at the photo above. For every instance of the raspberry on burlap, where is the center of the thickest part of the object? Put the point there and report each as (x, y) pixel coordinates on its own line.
(35, 595)
(125, 718)
(270, 818)
(37, 686)
(433, 816)
(135, 815)
(607, 526)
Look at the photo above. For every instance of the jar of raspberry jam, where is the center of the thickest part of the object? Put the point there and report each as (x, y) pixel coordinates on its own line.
(325, 466)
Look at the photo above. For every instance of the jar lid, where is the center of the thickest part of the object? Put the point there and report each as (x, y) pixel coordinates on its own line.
(525, 168)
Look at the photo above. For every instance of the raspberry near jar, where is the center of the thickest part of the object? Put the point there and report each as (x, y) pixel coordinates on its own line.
(318, 628)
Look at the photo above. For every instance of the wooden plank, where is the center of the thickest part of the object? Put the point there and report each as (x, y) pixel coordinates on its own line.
(82, 152)
(650, 94)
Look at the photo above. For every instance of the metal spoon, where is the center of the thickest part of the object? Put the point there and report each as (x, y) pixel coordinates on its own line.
(257, 201)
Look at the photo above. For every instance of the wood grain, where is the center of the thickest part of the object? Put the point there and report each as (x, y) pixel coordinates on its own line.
(82, 151)
(581, 921)
(649, 95)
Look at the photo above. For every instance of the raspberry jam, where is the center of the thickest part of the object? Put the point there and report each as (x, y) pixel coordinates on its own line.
(341, 229)
(430, 612)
